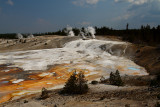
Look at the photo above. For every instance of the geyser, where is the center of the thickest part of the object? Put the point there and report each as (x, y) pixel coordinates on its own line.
(82, 34)
(69, 31)
(90, 31)
(19, 36)
(30, 36)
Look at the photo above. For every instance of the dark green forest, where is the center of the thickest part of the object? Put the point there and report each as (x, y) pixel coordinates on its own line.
(144, 35)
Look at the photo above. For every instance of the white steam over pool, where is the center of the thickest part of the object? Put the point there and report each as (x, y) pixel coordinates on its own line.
(86, 53)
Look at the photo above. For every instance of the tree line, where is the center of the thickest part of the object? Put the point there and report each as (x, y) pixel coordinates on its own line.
(143, 35)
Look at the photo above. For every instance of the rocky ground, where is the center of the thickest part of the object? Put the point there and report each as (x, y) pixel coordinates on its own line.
(148, 57)
(39, 42)
(100, 95)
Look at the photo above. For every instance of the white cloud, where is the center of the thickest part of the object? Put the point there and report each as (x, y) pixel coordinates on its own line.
(124, 17)
(136, 2)
(84, 2)
(140, 12)
(92, 1)
(10, 2)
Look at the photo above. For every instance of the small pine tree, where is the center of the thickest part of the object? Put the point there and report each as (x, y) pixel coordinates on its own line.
(115, 79)
(82, 83)
(70, 84)
(111, 79)
(118, 79)
(76, 84)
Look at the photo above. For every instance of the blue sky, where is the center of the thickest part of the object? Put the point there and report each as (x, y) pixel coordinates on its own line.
(30, 16)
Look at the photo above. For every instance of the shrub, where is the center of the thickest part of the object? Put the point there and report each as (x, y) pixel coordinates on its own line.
(82, 84)
(44, 94)
(158, 96)
(127, 105)
(157, 104)
(156, 82)
(115, 79)
(76, 84)
(94, 82)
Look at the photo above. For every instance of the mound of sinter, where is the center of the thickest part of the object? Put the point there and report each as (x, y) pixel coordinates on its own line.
(94, 55)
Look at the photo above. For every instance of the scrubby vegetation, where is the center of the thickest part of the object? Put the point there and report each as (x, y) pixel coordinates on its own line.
(155, 82)
(76, 84)
(115, 79)
(12, 36)
(157, 105)
(8, 36)
(94, 82)
(143, 35)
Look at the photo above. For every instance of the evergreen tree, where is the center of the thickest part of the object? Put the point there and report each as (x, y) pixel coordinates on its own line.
(115, 79)
(82, 83)
(111, 79)
(71, 85)
(127, 26)
(118, 79)
(76, 84)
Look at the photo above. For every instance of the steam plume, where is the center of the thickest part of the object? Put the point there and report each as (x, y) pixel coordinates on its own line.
(90, 31)
(19, 36)
(30, 36)
(82, 34)
(69, 31)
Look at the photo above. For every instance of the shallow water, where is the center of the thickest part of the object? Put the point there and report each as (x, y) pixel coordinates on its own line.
(132, 68)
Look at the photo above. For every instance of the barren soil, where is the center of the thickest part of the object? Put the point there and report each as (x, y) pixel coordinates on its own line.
(98, 96)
